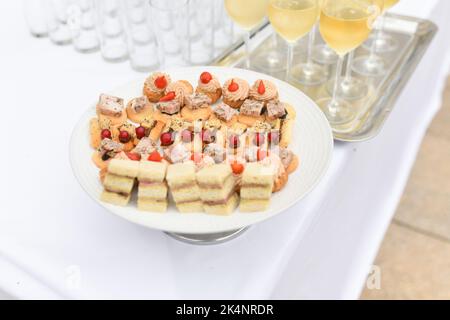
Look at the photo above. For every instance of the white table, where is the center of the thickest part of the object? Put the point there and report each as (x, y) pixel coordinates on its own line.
(55, 242)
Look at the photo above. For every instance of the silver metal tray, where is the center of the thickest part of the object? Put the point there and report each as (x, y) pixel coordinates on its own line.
(414, 36)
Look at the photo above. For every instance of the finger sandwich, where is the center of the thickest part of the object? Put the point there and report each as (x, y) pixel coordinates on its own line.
(119, 181)
(183, 187)
(152, 191)
(217, 189)
(256, 187)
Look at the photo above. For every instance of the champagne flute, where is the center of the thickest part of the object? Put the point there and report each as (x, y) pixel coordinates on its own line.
(322, 53)
(272, 57)
(344, 25)
(352, 88)
(247, 14)
(373, 65)
(293, 19)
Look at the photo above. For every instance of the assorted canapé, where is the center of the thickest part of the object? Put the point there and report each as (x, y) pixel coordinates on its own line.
(213, 147)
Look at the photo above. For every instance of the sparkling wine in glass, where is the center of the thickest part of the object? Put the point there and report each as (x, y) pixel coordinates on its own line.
(344, 25)
(248, 14)
(352, 88)
(292, 20)
(373, 65)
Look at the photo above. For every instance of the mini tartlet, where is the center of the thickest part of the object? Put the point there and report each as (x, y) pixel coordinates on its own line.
(155, 86)
(235, 91)
(264, 90)
(182, 89)
(209, 85)
(139, 108)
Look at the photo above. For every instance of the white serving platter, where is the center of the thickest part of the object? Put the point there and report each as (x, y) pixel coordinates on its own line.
(312, 142)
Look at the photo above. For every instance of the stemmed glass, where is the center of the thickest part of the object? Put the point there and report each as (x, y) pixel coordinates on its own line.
(273, 57)
(350, 88)
(383, 41)
(310, 73)
(373, 65)
(323, 54)
(247, 14)
(293, 19)
(344, 25)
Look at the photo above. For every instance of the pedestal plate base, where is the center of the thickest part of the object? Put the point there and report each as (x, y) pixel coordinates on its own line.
(207, 239)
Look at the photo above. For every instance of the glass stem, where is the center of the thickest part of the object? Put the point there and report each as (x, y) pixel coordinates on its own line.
(275, 39)
(378, 35)
(311, 41)
(247, 49)
(289, 59)
(333, 110)
(348, 72)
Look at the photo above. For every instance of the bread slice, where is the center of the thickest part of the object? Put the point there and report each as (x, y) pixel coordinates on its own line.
(181, 174)
(214, 176)
(213, 193)
(152, 171)
(156, 191)
(223, 209)
(185, 194)
(114, 198)
(190, 207)
(125, 168)
(264, 192)
(151, 205)
(254, 205)
(257, 174)
(118, 184)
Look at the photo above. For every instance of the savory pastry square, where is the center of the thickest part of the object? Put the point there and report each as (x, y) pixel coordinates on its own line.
(115, 198)
(125, 168)
(118, 184)
(181, 174)
(214, 176)
(252, 108)
(152, 171)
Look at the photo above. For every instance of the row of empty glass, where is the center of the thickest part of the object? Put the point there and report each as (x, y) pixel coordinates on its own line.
(150, 34)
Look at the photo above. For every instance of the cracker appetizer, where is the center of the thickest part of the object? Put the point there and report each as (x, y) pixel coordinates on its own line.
(139, 108)
(155, 86)
(251, 111)
(99, 130)
(226, 114)
(197, 107)
(125, 134)
(107, 150)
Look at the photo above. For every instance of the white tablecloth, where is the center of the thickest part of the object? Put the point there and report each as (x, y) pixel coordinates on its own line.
(55, 242)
